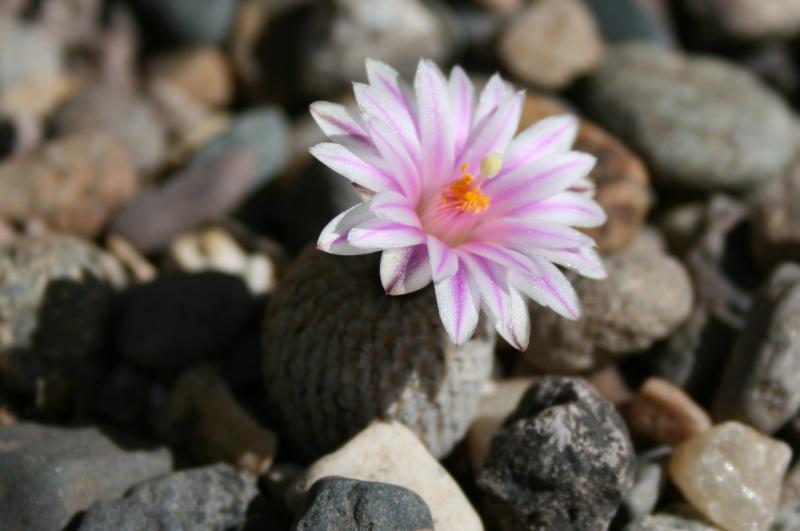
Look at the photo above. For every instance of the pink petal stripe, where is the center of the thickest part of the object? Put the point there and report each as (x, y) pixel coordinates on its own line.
(394, 207)
(346, 163)
(462, 98)
(386, 78)
(379, 233)
(333, 238)
(435, 124)
(444, 260)
(566, 208)
(405, 172)
(493, 95)
(336, 120)
(551, 289)
(405, 270)
(458, 305)
(522, 235)
(502, 256)
(584, 260)
(495, 131)
(550, 136)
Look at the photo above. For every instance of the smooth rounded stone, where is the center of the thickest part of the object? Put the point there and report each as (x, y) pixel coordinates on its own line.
(746, 19)
(339, 353)
(74, 183)
(621, 179)
(124, 115)
(679, 112)
(341, 37)
(669, 522)
(550, 43)
(646, 296)
(49, 474)
(192, 21)
(493, 410)
(180, 318)
(203, 72)
(562, 460)
(56, 295)
(761, 382)
(663, 413)
(342, 503)
(649, 482)
(204, 413)
(776, 219)
(211, 498)
(124, 514)
(28, 54)
(388, 452)
(732, 474)
(631, 20)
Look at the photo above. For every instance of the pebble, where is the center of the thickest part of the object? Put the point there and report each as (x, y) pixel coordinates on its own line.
(550, 43)
(341, 38)
(732, 474)
(670, 522)
(124, 397)
(342, 503)
(678, 112)
(761, 382)
(562, 460)
(181, 318)
(123, 514)
(648, 484)
(621, 179)
(19, 134)
(28, 54)
(206, 415)
(211, 498)
(776, 219)
(646, 296)
(391, 453)
(339, 353)
(139, 267)
(609, 382)
(631, 20)
(125, 115)
(748, 20)
(49, 474)
(202, 72)
(663, 413)
(73, 183)
(788, 517)
(192, 21)
(56, 296)
(492, 411)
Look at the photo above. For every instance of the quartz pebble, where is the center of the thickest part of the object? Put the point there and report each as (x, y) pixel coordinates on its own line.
(391, 453)
(679, 113)
(732, 474)
(761, 381)
(551, 42)
(662, 413)
(73, 183)
(561, 460)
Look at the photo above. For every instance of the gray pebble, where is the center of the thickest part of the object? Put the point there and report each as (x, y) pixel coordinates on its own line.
(193, 21)
(125, 514)
(27, 53)
(631, 20)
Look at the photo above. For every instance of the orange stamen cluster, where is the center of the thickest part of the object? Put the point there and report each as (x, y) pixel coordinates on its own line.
(465, 196)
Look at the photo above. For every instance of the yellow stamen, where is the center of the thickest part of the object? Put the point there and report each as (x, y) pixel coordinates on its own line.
(465, 196)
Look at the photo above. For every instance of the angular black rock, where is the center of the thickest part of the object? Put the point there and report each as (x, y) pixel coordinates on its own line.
(561, 461)
(342, 503)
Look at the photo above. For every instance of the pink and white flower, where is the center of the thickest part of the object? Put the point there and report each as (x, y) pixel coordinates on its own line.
(451, 196)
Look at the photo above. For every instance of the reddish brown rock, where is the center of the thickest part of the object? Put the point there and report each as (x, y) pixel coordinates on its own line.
(73, 184)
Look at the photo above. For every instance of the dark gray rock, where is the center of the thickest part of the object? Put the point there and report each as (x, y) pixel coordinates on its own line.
(561, 461)
(631, 20)
(128, 515)
(56, 297)
(212, 498)
(182, 317)
(192, 21)
(48, 474)
(679, 112)
(342, 503)
(761, 383)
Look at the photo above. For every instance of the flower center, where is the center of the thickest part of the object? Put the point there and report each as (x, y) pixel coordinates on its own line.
(464, 195)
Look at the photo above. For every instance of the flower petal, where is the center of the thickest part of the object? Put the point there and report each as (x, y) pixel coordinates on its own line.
(435, 124)
(458, 305)
(404, 170)
(405, 270)
(444, 260)
(568, 208)
(386, 78)
(550, 288)
(462, 100)
(394, 207)
(549, 136)
(583, 260)
(346, 163)
(495, 131)
(383, 106)
(336, 120)
(492, 96)
(379, 233)
(503, 256)
(333, 238)
(523, 235)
